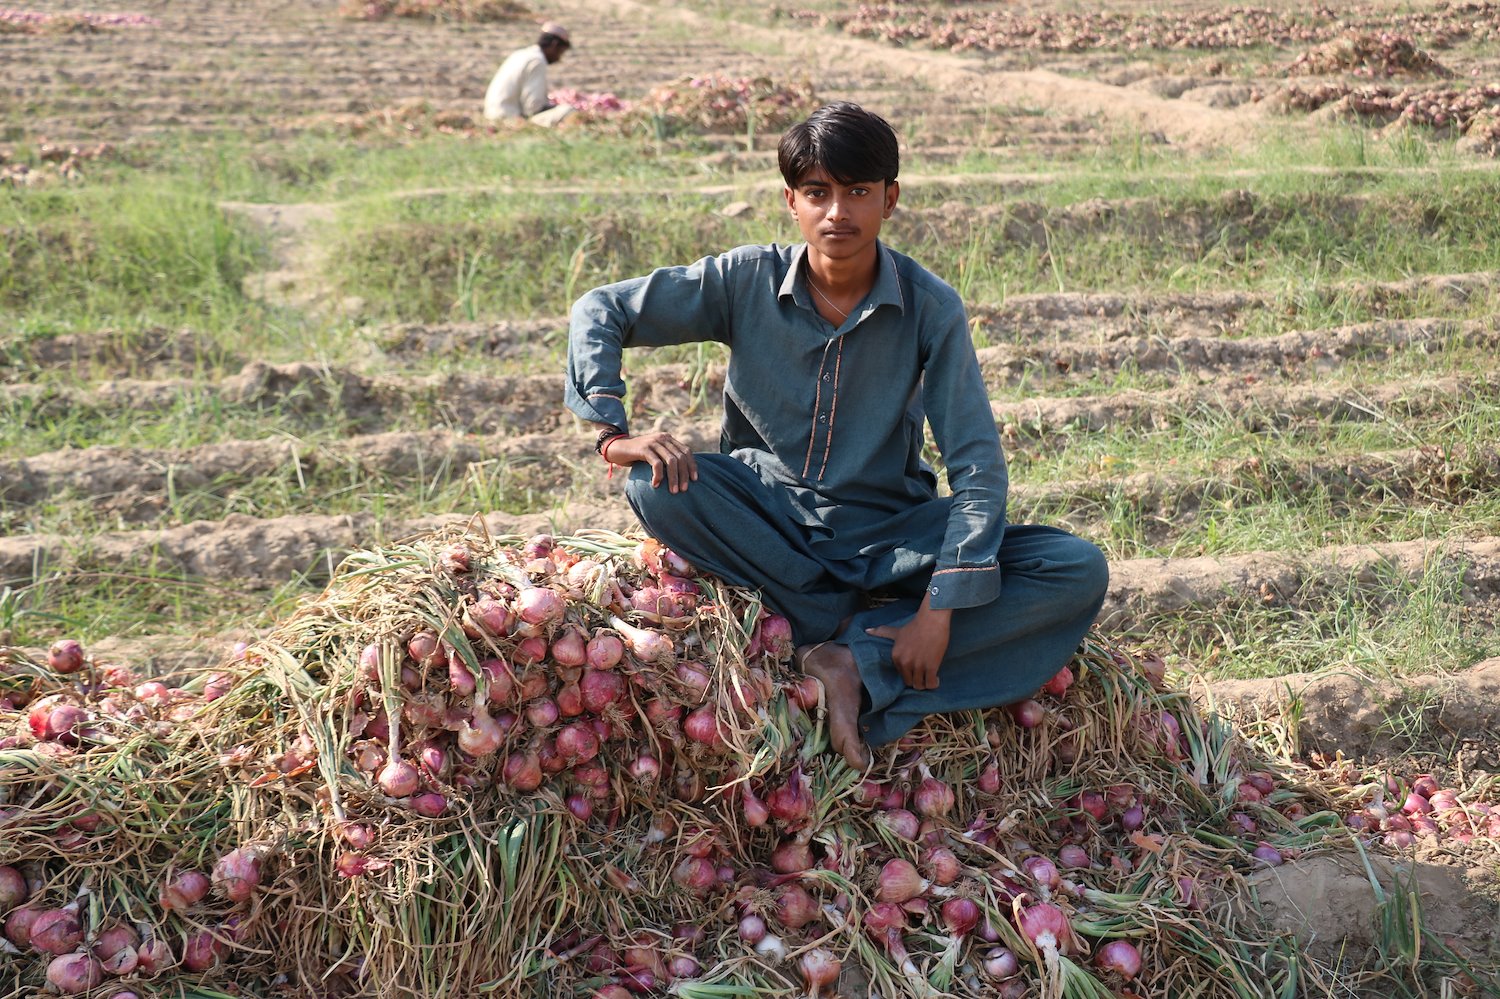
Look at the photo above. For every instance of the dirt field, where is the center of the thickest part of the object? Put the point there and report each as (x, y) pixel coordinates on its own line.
(1293, 471)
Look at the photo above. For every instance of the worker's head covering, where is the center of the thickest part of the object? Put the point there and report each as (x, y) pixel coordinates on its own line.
(556, 31)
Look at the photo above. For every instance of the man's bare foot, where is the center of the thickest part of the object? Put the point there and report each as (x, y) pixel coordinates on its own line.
(833, 666)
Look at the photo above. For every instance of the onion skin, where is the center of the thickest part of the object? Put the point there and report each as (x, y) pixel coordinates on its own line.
(1044, 925)
(522, 771)
(900, 822)
(570, 648)
(899, 881)
(600, 689)
(933, 798)
(1059, 684)
(399, 779)
(791, 804)
(989, 778)
(237, 874)
(18, 925)
(202, 951)
(74, 974)
(114, 940)
(795, 907)
(697, 875)
(1042, 871)
(65, 656)
(13, 890)
(604, 651)
(819, 968)
(792, 856)
(1268, 856)
(429, 804)
(154, 956)
(702, 726)
(960, 916)
(577, 743)
(1027, 713)
(752, 929)
(943, 865)
(1001, 963)
(56, 931)
(1072, 855)
(1121, 957)
(775, 633)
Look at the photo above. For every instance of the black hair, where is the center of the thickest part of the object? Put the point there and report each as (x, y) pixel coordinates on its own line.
(551, 39)
(848, 142)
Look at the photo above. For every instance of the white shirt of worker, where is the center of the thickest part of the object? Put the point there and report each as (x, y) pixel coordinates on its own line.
(519, 89)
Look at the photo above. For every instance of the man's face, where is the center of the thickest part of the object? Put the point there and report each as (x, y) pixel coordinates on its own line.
(554, 51)
(840, 221)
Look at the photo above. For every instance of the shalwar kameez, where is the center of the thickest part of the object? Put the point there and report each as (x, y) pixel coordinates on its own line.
(820, 495)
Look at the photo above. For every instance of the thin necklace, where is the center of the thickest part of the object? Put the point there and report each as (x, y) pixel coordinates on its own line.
(843, 313)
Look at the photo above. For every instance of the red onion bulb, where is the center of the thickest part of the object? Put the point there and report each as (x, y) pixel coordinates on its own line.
(819, 968)
(1121, 957)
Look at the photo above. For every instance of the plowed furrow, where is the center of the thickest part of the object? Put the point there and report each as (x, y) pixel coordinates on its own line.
(136, 485)
(262, 553)
(1254, 407)
(316, 396)
(151, 352)
(1289, 353)
(1167, 504)
(1141, 589)
(1103, 317)
(1364, 717)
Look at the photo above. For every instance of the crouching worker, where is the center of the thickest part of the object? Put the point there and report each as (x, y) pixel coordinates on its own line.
(840, 349)
(519, 87)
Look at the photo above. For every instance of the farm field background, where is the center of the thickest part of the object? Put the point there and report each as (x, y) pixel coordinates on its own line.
(271, 291)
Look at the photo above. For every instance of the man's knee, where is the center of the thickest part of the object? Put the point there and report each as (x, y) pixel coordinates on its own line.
(1083, 564)
(653, 503)
(1092, 569)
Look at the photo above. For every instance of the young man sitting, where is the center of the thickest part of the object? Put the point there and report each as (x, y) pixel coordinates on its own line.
(840, 349)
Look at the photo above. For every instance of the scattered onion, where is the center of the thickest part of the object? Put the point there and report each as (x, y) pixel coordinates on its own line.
(56, 931)
(819, 968)
(1121, 957)
(74, 974)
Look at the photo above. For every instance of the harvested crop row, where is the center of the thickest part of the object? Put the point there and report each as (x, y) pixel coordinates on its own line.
(1169, 505)
(1237, 27)
(1192, 357)
(1108, 316)
(1254, 407)
(462, 739)
(1141, 589)
(1094, 316)
(310, 396)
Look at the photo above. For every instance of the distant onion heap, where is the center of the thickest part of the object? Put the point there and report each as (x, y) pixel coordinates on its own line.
(570, 766)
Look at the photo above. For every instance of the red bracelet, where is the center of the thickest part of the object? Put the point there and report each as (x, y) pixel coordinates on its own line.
(604, 453)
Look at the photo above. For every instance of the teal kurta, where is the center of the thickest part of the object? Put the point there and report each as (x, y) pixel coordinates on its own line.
(822, 496)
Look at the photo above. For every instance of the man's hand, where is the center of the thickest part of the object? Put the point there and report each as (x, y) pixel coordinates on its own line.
(671, 460)
(920, 645)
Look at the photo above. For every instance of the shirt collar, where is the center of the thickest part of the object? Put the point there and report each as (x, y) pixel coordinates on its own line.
(887, 289)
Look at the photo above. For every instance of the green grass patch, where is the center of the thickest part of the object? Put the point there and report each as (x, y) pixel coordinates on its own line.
(1392, 626)
(137, 601)
(485, 257)
(1299, 499)
(195, 415)
(130, 254)
(307, 488)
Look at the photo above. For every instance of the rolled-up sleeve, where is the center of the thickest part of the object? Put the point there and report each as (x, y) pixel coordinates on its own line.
(668, 306)
(957, 405)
